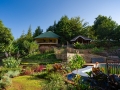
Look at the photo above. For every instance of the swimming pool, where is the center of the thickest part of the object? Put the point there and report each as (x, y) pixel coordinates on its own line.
(81, 72)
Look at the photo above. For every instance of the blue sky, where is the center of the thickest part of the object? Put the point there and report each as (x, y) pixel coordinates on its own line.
(18, 15)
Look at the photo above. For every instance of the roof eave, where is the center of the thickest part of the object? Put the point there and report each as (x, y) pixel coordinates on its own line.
(84, 39)
(46, 37)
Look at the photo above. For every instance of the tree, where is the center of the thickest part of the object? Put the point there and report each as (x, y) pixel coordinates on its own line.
(68, 28)
(20, 44)
(25, 43)
(52, 28)
(29, 34)
(116, 34)
(5, 37)
(33, 47)
(37, 32)
(88, 32)
(104, 27)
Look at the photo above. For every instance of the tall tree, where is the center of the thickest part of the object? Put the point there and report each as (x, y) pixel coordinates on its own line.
(25, 43)
(5, 37)
(68, 28)
(20, 44)
(104, 27)
(29, 34)
(88, 32)
(52, 28)
(116, 34)
(37, 32)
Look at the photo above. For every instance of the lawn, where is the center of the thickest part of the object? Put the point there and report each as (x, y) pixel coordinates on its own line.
(26, 83)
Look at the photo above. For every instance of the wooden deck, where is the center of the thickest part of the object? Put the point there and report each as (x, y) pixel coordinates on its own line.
(89, 64)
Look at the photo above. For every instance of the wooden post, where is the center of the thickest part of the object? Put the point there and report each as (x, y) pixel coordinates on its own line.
(107, 67)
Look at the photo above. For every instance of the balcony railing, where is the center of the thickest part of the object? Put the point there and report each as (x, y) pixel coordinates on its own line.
(47, 42)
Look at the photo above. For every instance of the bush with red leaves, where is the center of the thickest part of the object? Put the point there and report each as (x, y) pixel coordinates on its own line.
(39, 68)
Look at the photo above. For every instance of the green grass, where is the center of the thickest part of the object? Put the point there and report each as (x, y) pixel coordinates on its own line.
(41, 56)
(43, 61)
(46, 58)
(27, 83)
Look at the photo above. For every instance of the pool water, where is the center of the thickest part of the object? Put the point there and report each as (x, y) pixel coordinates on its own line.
(70, 76)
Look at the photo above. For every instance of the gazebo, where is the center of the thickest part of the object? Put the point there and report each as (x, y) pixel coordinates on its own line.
(47, 39)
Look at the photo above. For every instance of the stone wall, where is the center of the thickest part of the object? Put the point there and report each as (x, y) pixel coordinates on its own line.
(87, 57)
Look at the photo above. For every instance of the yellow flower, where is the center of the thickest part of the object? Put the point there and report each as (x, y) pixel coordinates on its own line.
(78, 76)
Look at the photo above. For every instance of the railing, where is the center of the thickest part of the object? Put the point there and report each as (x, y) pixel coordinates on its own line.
(113, 67)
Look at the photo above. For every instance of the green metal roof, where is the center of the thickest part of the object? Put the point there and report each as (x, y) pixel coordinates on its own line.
(48, 34)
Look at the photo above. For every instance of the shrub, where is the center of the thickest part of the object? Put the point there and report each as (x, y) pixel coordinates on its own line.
(68, 69)
(11, 62)
(80, 83)
(55, 85)
(56, 82)
(76, 62)
(114, 48)
(31, 69)
(97, 50)
(33, 47)
(49, 67)
(23, 52)
(5, 70)
(13, 73)
(78, 45)
(89, 46)
(55, 76)
(41, 75)
(57, 66)
(11, 67)
(27, 71)
(5, 81)
(46, 49)
(39, 68)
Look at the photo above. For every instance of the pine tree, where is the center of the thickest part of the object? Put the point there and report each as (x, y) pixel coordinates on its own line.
(37, 32)
(29, 34)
